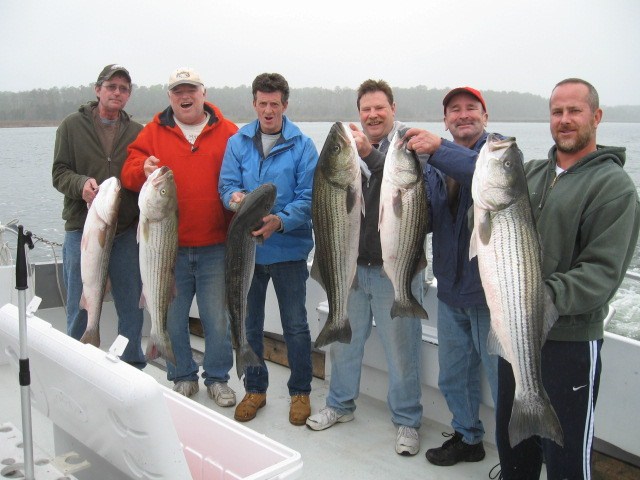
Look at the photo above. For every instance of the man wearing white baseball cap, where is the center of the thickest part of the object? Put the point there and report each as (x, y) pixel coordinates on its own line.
(190, 137)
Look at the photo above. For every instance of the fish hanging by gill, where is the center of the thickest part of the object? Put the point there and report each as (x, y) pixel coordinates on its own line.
(95, 251)
(240, 259)
(158, 247)
(403, 225)
(336, 207)
(506, 242)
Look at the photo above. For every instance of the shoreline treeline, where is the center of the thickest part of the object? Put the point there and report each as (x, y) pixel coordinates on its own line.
(49, 106)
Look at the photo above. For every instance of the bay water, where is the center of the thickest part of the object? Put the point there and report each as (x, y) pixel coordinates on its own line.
(27, 195)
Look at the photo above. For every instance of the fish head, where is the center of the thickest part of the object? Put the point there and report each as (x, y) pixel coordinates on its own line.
(401, 165)
(107, 201)
(339, 161)
(158, 196)
(499, 179)
(256, 205)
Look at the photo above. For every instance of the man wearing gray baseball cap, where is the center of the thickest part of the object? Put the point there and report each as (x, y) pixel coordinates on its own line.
(91, 146)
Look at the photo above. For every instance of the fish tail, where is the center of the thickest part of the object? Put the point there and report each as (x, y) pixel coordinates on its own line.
(534, 416)
(246, 357)
(159, 345)
(91, 336)
(331, 332)
(411, 308)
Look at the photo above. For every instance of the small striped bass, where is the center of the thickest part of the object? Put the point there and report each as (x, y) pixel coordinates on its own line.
(95, 251)
(403, 225)
(336, 207)
(506, 242)
(158, 246)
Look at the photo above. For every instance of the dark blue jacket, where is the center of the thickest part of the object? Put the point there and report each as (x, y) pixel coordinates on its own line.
(458, 278)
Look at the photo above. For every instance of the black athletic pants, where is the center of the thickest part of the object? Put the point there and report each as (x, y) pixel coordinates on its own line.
(571, 377)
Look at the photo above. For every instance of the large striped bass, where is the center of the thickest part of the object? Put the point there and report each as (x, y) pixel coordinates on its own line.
(240, 260)
(158, 246)
(403, 225)
(506, 242)
(336, 207)
(95, 251)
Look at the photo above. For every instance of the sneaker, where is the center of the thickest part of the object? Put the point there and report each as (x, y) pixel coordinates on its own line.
(222, 394)
(455, 450)
(248, 407)
(407, 441)
(188, 388)
(327, 417)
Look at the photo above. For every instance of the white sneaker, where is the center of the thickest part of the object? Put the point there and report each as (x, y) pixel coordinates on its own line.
(187, 388)
(327, 417)
(222, 394)
(407, 441)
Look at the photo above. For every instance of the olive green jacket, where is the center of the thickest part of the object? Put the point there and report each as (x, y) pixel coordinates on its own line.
(79, 155)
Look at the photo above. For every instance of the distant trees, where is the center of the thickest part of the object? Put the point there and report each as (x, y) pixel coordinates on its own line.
(419, 103)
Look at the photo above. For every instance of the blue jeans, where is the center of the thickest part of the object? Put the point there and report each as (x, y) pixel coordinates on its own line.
(462, 347)
(290, 284)
(401, 339)
(200, 272)
(126, 289)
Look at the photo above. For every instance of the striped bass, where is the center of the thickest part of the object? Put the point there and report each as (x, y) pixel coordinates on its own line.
(403, 225)
(336, 207)
(506, 242)
(240, 260)
(158, 246)
(95, 251)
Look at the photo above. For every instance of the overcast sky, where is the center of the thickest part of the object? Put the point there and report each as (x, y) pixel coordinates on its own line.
(504, 45)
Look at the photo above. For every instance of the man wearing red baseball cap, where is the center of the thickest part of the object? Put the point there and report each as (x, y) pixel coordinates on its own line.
(463, 314)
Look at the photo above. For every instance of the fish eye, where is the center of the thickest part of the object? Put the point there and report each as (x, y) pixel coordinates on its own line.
(336, 148)
(163, 191)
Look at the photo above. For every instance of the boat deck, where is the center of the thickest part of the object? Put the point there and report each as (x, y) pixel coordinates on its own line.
(363, 448)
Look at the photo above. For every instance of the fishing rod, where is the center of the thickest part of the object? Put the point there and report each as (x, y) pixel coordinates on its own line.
(24, 374)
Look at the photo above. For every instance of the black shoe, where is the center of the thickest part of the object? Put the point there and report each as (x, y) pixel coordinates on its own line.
(455, 450)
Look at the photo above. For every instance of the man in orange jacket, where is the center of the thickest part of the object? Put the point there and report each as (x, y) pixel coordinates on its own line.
(190, 138)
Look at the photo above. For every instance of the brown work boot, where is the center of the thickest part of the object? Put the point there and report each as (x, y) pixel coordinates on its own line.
(248, 407)
(300, 409)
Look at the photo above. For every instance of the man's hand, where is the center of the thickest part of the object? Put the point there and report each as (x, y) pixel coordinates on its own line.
(422, 141)
(272, 223)
(89, 191)
(150, 164)
(362, 142)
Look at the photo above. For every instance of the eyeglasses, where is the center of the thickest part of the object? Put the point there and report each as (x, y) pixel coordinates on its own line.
(112, 87)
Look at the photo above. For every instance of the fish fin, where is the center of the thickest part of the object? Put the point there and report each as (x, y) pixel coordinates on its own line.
(84, 242)
(83, 302)
(473, 245)
(143, 301)
(102, 237)
(484, 227)
(494, 347)
(315, 274)
(396, 202)
(550, 313)
(411, 309)
(331, 332)
(352, 197)
(91, 336)
(107, 285)
(246, 357)
(143, 228)
(534, 415)
(159, 345)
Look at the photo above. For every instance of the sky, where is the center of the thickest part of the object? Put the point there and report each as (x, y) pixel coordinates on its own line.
(500, 45)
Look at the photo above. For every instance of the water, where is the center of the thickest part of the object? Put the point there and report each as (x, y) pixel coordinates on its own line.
(26, 156)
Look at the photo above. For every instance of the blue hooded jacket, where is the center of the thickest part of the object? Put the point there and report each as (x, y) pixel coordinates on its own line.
(289, 166)
(459, 283)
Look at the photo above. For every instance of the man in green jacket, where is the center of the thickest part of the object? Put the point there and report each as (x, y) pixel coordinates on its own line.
(587, 214)
(91, 146)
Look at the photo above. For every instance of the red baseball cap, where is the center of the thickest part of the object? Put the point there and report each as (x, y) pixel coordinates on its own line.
(469, 90)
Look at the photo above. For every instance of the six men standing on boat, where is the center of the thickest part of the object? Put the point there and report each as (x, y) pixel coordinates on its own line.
(585, 206)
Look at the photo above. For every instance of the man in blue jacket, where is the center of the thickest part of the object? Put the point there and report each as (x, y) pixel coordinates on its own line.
(463, 314)
(272, 149)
